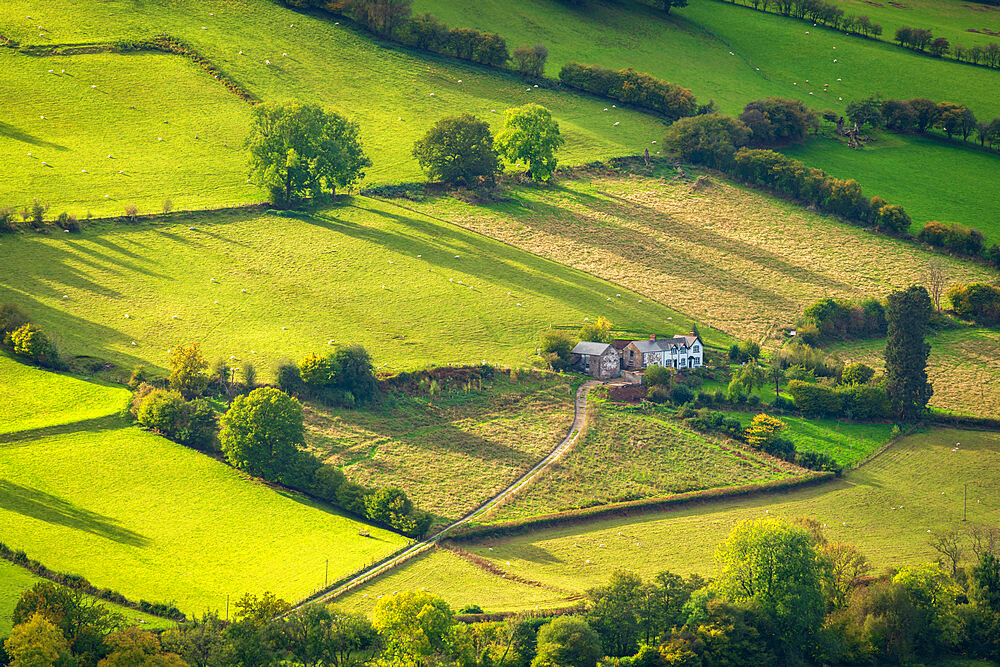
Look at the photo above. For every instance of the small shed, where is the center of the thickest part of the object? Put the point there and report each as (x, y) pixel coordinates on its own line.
(598, 360)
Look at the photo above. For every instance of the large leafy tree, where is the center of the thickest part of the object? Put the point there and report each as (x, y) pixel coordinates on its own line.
(36, 641)
(709, 139)
(187, 370)
(415, 627)
(298, 150)
(84, 623)
(321, 635)
(261, 432)
(567, 641)
(530, 135)
(774, 567)
(458, 149)
(908, 313)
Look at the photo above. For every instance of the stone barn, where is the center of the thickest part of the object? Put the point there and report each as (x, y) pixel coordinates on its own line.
(598, 360)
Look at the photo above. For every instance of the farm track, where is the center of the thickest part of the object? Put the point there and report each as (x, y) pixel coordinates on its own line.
(363, 577)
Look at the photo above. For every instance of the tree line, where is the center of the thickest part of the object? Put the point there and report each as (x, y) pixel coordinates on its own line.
(783, 593)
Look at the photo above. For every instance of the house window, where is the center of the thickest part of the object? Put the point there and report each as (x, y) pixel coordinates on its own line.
(696, 362)
(695, 349)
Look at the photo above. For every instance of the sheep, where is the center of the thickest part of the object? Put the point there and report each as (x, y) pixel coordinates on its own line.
(83, 171)
(93, 86)
(267, 62)
(460, 81)
(216, 303)
(518, 305)
(243, 291)
(127, 316)
(283, 328)
(190, 229)
(133, 343)
(65, 296)
(330, 342)
(174, 317)
(616, 124)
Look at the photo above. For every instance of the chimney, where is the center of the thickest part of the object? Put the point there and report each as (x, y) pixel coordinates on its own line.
(652, 336)
(693, 333)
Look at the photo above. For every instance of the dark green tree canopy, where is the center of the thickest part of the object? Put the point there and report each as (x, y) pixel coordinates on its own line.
(458, 149)
(262, 431)
(298, 150)
(908, 313)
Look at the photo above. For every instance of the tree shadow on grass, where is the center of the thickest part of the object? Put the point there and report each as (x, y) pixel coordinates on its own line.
(45, 507)
(17, 134)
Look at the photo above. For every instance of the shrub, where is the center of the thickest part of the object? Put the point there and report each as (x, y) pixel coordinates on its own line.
(658, 375)
(132, 212)
(776, 121)
(38, 210)
(810, 359)
(530, 60)
(316, 371)
(288, 379)
(557, 347)
(710, 139)
(187, 371)
(857, 373)
(627, 85)
(840, 318)
(160, 410)
(658, 394)
(977, 301)
(326, 482)
(249, 376)
(955, 237)
(30, 342)
(744, 351)
(7, 223)
(818, 461)
(351, 497)
(815, 400)
(197, 425)
(68, 222)
(864, 401)
(11, 318)
(763, 428)
(168, 206)
(680, 395)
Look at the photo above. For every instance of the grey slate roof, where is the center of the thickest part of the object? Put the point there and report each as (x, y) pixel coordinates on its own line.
(591, 349)
(645, 346)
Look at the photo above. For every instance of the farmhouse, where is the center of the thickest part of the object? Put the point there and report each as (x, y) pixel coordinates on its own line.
(677, 352)
(598, 360)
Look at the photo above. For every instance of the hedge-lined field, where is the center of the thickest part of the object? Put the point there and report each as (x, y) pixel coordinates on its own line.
(459, 582)
(964, 368)
(131, 511)
(624, 455)
(15, 580)
(737, 259)
(453, 449)
(412, 289)
(951, 19)
(33, 398)
(888, 508)
(394, 95)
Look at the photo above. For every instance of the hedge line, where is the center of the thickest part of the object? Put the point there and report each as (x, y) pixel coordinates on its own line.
(504, 615)
(76, 582)
(629, 508)
(990, 423)
(636, 88)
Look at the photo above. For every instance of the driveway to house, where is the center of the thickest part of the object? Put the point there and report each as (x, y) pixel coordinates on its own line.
(363, 577)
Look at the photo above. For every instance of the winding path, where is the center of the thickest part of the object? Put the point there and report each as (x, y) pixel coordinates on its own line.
(579, 419)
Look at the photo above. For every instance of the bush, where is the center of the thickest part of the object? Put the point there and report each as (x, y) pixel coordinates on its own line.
(658, 394)
(37, 213)
(351, 496)
(818, 461)
(977, 301)
(857, 373)
(809, 358)
(658, 376)
(955, 237)
(530, 60)
(288, 378)
(68, 222)
(30, 342)
(326, 482)
(197, 426)
(710, 139)
(744, 351)
(7, 223)
(778, 121)
(636, 88)
(11, 318)
(556, 348)
(815, 400)
(160, 410)
(840, 318)
(680, 395)
(187, 371)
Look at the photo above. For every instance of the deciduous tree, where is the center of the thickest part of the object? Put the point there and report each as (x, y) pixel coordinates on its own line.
(530, 135)
(262, 431)
(187, 371)
(458, 149)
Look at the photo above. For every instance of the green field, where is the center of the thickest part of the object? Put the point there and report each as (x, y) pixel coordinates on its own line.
(922, 173)
(453, 450)
(325, 63)
(964, 368)
(736, 259)
(412, 289)
(625, 455)
(951, 19)
(460, 583)
(888, 508)
(15, 580)
(848, 443)
(154, 520)
(692, 48)
(32, 398)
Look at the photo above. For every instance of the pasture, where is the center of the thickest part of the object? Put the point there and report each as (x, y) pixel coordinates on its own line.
(739, 260)
(460, 583)
(624, 455)
(131, 511)
(32, 398)
(954, 20)
(889, 508)
(921, 172)
(277, 54)
(964, 368)
(264, 287)
(452, 449)
(15, 580)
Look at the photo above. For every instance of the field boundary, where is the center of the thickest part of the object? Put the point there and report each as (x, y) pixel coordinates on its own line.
(637, 507)
(364, 576)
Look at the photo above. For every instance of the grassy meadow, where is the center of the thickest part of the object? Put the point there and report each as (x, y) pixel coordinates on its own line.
(952, 19)
(15, 580)
(452, 450)
(628, 456)
(31, 398)
(935, 180)
(460, 583)
(412, 289)
(741, 261)
(132, 511)
(964, 368)
(889, 508)
(311, 60)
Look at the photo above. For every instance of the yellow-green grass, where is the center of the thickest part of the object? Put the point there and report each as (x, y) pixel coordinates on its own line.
(847, 442)
(453, 450)
(964, 368)
(131, 511)
(889, 508)
(625, 455)
(156, 128)
(739, 260)
(951, 19)
(15, 580)
(459, 582)
(932, 179)
(387, 90)
(412, 289)
(32, 398)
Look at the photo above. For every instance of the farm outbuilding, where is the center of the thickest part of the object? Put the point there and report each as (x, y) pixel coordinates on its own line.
(598, 360)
